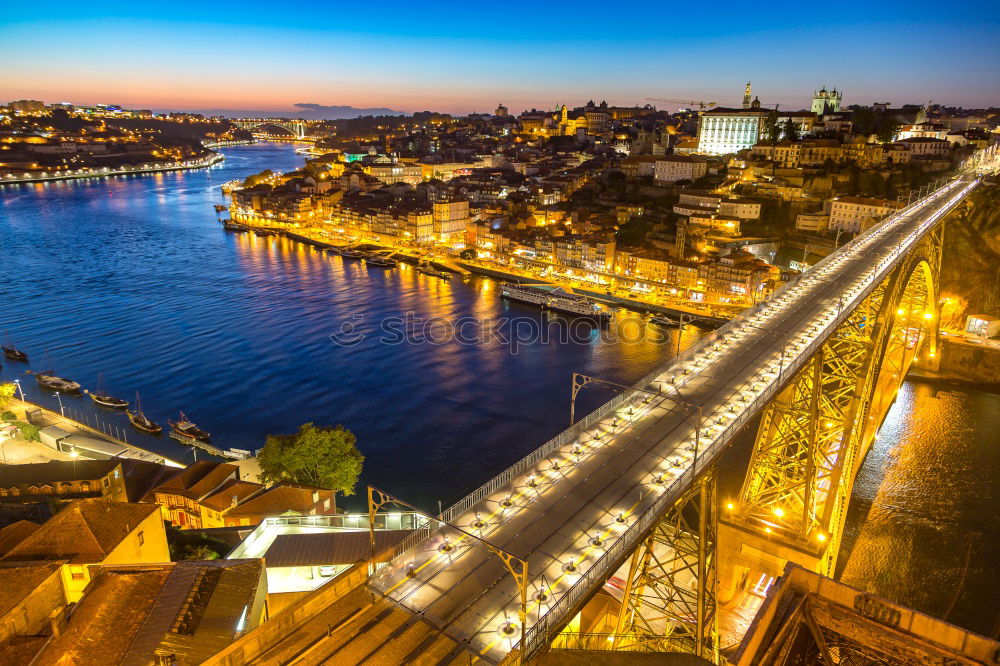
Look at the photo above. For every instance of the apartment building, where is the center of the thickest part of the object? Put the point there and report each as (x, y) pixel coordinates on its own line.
(858, 213)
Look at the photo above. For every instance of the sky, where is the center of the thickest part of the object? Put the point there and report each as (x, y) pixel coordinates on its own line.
(469, 56)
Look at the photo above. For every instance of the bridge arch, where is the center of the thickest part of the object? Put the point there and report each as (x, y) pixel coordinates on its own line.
(815, 434)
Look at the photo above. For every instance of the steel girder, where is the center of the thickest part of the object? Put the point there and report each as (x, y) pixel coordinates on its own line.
(669, 602)
(814, 435)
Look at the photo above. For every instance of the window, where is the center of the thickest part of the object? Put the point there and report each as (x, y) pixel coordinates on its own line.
(105, 482)
(76, 572)
(85, 487)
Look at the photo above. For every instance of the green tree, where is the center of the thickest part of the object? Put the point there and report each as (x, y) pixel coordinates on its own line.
(790, 130)
(314, 456)
(258, 178)
(888, 130)
(6, 393)
(771, 129)
(468, 253)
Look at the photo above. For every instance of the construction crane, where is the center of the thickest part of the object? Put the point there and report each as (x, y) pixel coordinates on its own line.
(687, 102)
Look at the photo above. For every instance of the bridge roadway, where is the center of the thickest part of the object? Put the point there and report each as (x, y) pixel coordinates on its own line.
(578, 506)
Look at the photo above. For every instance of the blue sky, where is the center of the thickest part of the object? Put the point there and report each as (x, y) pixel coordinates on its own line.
(460, 57)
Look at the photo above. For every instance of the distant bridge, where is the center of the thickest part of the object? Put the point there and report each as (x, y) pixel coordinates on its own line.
(297, 127)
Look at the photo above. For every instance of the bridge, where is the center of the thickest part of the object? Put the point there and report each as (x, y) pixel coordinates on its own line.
(298, 128)
(630, 490)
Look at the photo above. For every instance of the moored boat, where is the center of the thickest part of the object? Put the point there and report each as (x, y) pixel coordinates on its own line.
(220, 207)
(575, 304)
(265, 232)
(229, 225)
(140, 421)
(14, 354)
(380, 261)
(351, 254)
(186, 432)
(105, 399)
(49, 381)
(524, 294)
(429, 270)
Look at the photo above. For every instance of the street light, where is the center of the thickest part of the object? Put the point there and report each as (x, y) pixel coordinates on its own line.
(62, 411)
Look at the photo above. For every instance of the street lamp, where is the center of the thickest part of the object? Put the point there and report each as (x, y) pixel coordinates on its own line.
(62, 411)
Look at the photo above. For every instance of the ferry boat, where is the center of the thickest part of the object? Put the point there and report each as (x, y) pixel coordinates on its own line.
(187, 432)
(231, 185)
(524, 294)
(51, 382)
(140, 420)
(580, 306)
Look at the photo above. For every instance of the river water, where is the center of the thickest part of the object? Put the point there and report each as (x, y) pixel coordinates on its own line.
(133, 278)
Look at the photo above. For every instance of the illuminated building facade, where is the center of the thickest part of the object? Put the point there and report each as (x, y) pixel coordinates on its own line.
(724, 131)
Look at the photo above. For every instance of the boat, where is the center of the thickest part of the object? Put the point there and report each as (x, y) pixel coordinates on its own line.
(333, 250)
(14, 354)
(229, 225)
(220, 207)
(49, 381)
(105, 399)
(524, 294)
(140, 421)
(351, 254)
(574, 304)
(663, 320)
(187, 432)
(427, 269)
(265, 232)
(380, 261)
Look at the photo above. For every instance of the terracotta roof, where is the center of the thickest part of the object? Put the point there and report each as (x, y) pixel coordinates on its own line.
(195, 481)
(223, 497)
(19, 579)
(86, 530)
(15, 533)
(107, 618)
(55, 470)
(279, 499)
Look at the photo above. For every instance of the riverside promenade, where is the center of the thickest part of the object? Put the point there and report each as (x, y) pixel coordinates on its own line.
(44, 418)
(106, 172)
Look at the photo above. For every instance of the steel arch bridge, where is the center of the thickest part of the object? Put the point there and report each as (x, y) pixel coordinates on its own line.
(298, 128)
(502, 572)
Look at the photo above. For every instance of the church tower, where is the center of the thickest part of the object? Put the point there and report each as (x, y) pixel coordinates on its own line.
(746, 97)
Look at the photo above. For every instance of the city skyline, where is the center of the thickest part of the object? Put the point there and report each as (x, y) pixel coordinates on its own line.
(189, 57)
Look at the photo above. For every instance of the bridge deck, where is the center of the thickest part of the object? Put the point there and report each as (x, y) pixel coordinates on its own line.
(579, 507)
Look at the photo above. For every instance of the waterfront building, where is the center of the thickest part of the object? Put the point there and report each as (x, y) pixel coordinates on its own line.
(63, 480)
(94, 531)
(450, 217)
(858, 213)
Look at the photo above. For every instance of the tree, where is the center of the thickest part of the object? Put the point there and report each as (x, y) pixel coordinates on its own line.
(790, 130)
(6, 393)
(468, 254)
(888, 130)
(258, 178)
(314, 456)
(771, 130)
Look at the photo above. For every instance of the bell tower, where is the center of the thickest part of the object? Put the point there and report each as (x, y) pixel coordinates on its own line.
(746, 97)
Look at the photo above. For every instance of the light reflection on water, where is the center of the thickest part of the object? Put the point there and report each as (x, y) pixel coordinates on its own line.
(923, 528)
(135, 279)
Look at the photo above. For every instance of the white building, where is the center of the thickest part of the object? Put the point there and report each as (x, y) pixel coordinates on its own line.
(724, 131)
(671, 168)
(857, 213)
(816, 222)
(826, 101)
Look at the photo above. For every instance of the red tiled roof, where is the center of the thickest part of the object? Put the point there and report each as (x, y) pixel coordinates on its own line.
(194, 481)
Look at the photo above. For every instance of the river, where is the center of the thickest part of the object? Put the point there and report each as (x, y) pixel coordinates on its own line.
(134, 279)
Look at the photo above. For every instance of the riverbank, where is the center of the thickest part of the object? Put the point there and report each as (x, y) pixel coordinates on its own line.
(40, 416)
(961, 362)
(106, 172)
